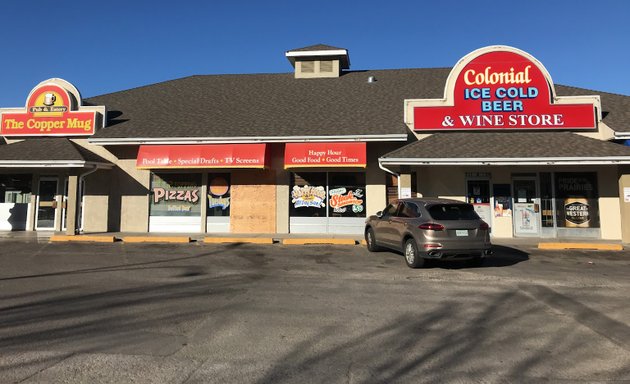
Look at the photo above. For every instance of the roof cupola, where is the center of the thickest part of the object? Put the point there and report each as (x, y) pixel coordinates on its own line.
(318, 61)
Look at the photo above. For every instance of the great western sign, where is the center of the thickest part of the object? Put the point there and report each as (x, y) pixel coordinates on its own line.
(53, 108)
(501, 88)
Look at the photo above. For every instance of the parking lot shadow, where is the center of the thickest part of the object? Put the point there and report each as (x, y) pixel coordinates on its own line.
(502, 256)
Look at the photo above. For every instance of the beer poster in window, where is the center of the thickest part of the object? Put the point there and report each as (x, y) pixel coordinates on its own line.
(576, 200)
(175, 195)
(502, 200)
(218, 195)
(346, 201)
(525, 219)
(308, 194)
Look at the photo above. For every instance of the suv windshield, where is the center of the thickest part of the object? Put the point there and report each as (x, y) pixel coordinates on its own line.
(453, 212)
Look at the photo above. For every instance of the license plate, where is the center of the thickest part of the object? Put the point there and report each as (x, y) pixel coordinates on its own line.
(461, 232)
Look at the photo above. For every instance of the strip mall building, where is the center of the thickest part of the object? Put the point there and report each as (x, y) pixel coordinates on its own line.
(319, 149)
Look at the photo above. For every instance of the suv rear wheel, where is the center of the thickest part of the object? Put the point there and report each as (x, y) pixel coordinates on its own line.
(412, 256)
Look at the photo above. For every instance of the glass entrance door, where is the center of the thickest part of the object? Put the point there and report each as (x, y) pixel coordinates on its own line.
(526, 208)
(46, 203)
(478, 194)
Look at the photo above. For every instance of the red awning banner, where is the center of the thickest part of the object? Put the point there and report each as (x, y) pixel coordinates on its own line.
(325, 155)
(201, 156)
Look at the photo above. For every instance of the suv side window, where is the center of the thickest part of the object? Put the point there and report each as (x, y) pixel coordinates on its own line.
(391, 210)
(410, 210)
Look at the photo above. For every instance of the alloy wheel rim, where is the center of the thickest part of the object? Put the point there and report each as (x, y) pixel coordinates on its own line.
(369, 238)
(410, 254)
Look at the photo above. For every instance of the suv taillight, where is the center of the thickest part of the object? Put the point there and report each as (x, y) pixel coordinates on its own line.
(484, 225)
(432, 226)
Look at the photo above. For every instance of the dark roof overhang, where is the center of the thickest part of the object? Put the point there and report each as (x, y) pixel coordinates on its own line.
(508, 148)
(58, 152)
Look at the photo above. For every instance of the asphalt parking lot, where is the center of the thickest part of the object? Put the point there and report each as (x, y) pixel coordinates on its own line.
(240, 313)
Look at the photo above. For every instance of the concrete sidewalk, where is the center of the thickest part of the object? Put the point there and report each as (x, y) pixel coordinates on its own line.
(287, 239)
(143, 237)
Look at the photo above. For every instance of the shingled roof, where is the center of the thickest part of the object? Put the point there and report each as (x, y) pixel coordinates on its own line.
(316, 47)
(56, 149)
(267, 106)
(517, 147)
(615, 107)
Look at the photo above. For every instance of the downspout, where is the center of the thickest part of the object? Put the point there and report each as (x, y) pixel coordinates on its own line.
(80, 195)
(392, 173)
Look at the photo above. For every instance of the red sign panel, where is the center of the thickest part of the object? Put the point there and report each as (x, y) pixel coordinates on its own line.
(202, 156)
(324, 155)
(49, 112)
(503, 89)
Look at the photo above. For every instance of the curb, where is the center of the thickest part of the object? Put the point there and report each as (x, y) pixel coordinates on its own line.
(305, 241)
(156, 239)
(249, 240)
(81, 239)
(590, 246)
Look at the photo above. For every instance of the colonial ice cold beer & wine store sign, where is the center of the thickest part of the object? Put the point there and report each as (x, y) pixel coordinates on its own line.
(502, 88)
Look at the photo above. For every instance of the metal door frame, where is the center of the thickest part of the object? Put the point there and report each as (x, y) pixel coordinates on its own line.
(46, 178)
(536, 179)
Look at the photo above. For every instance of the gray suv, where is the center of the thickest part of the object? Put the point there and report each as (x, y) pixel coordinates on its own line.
(427, 228)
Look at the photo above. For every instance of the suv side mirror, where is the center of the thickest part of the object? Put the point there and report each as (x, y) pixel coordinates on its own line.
(379, 214)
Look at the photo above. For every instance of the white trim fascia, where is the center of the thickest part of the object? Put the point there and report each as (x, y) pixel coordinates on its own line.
(607, 160)
(329, 52)
(243, 139)
(622, 135)
(52, 164)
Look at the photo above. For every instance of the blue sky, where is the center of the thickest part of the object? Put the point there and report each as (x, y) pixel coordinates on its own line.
(108, 46)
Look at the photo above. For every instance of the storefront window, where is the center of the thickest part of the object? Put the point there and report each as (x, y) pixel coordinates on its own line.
(219, 194)
(346, 194)
(15, 188)
(308, 194)
(478, 191)
(478, 194)
(391, 185)
(576, 200)
(546, 200)
(502, 200)
(175, 194)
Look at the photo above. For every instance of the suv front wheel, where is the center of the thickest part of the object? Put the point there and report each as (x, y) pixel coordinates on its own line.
(412, 256)
(370, 239)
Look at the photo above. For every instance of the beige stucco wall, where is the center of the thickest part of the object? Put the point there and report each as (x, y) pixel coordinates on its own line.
(126, 206)
(96, 201)
(134, 207)
(624, 182)
(450, 182)
(609, 206)
(118, 199)
(375, 178)
(282, 188)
